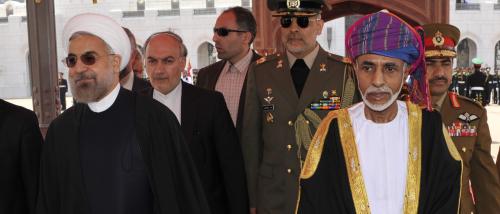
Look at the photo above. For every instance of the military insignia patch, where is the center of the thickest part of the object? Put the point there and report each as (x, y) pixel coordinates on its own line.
(269, 117)
(454, 100)
(280, 64)
(261, 60)
(346, 60)
(322, 67)
(327, 102)
(466, 117)
(269, 106)
(461, 129)
(293, 4)
(438, 39)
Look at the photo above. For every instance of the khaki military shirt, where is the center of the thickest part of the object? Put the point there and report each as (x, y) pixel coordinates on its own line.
(275, 117)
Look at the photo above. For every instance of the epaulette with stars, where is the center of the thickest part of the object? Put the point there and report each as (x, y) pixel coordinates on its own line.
(268, 58)
(344, 60)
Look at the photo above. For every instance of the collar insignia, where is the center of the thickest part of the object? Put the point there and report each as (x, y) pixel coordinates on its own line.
(322, 67)
(280, 64)
(261, 60)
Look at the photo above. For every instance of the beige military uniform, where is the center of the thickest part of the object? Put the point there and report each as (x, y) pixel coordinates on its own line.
(275, 117)
(468, 128)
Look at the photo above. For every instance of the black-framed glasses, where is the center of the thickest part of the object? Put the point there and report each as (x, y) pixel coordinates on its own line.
(88, 58)
(225, 31)
(302, 21)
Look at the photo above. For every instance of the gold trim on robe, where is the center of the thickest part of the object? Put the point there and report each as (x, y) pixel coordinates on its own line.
(349, 147)
(414, 164)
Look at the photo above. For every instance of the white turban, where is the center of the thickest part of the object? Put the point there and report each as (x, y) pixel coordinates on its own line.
(103, 27)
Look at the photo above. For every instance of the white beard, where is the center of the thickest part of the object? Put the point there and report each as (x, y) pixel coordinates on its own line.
(384, 106)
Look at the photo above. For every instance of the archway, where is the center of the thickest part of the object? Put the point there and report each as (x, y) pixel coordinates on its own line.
(206, 55)
(414, 12)
(467, 50)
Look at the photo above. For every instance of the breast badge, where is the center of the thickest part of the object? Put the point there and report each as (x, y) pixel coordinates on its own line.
(268, 107)
(462, 127)
(327, 102)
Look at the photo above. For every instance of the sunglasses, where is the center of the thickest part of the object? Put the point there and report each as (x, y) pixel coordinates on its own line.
(302, 21)
(88, 58)
(224, 31)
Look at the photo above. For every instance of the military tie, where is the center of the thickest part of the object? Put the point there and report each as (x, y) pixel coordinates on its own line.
(299, 75)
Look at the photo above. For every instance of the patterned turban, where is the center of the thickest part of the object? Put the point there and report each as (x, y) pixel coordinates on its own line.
(385, 34)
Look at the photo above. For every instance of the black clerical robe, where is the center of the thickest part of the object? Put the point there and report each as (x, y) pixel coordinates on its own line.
(172, 175)
(332, 182)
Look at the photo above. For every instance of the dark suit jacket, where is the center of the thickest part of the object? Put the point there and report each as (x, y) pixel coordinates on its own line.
(20, 143)
(208, 76)
(212, 139)
(140, 84)
(173, 178)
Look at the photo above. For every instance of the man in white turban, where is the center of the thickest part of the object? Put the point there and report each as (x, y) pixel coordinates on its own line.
(95, 159)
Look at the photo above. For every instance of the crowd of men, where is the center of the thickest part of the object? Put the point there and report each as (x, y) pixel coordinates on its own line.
(301, 131)
(465, 80)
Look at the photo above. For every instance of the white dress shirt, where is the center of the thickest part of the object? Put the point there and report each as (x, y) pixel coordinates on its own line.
(172, 100)
(383, 156)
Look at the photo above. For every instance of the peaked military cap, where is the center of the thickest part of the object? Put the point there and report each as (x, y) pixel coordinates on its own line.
(440, 40)
(295, 7)
(477, 61)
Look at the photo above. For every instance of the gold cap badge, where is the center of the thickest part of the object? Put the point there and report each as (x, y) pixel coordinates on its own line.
(438, 39)
(293, 4)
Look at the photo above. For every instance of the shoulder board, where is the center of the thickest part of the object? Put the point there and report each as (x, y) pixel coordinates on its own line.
(267, 58)
(469, 100)
(339, 58)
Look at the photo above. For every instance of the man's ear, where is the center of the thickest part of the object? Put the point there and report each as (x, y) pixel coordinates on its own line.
(183, 61)
(247, 36)
(320, 26)
(117, 59)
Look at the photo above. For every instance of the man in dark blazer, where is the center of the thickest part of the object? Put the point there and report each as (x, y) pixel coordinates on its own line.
(19, 159)
(128, 80)
(205, 123)
(234, 32)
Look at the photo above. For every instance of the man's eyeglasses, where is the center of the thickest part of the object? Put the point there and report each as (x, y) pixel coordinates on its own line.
(88, 58)
(225, 31)
(302, 21)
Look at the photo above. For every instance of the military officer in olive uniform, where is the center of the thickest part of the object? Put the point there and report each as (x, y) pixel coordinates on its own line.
(287, 96)
(495, 86)
(477, 83)
(454, 81)
(461, 82)
(466, 122)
